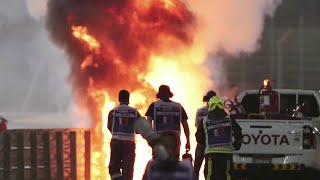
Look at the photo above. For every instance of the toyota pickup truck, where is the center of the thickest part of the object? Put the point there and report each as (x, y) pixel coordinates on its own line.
(279, 143)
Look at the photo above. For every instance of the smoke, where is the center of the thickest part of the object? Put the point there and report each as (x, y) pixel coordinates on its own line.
(230, 26)
(37, 8)
(128, 33)
(32, 69)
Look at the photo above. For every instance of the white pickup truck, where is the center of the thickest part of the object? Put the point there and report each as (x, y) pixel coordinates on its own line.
(279, 143)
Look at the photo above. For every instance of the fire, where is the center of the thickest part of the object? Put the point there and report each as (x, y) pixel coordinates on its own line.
(82, 33)
(169, 3)
(135, 45)
(86, 62)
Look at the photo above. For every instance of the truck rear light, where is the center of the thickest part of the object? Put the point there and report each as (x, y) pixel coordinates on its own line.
(308, 138)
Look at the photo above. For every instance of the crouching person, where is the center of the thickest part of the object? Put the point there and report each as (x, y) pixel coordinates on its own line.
(169, 168)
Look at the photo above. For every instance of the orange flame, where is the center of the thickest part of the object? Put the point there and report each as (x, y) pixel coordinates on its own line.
(82, 33)
(86, 62)
(178, 68)
(168, 4)
(101, 99)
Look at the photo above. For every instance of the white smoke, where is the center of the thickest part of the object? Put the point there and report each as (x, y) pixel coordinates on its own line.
(37, 8)
(33, 71)
(231, 26)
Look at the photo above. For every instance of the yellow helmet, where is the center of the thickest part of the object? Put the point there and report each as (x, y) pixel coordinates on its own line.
(215, 102)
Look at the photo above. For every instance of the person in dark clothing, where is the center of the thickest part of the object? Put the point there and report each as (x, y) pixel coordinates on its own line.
(121, 125)
(199, 153)
(170, 168)
(167, 115)
(215, 133)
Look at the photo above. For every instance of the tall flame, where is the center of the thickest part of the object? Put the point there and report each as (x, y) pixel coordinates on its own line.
(135, 45)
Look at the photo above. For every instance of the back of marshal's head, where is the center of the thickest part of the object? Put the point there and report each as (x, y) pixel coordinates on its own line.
(209, 95)
(124, 96)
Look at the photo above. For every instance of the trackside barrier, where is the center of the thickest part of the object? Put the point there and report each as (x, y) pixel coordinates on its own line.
(62, 154)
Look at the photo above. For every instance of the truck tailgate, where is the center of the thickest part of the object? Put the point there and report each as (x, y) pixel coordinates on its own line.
(271, 136)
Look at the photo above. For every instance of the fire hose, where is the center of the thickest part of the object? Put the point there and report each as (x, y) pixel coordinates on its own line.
(143, 127)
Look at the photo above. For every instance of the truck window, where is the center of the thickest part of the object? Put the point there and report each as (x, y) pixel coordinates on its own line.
(287, 103)
(250, 103)
(312, 107)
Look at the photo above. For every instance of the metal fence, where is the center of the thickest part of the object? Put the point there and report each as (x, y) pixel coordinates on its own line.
(45, 154)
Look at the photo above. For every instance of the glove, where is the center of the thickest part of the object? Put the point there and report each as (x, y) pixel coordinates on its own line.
(236, 145)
